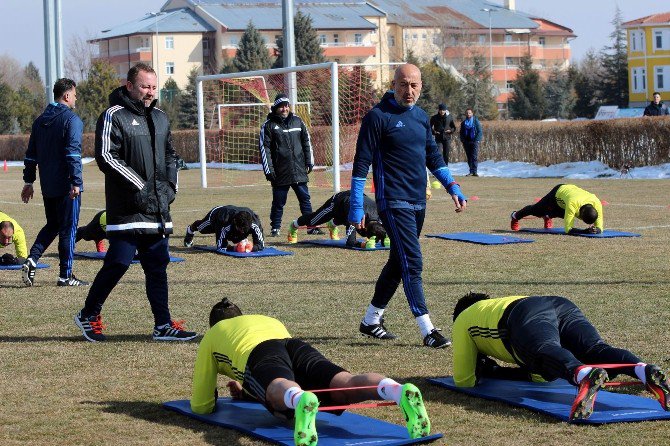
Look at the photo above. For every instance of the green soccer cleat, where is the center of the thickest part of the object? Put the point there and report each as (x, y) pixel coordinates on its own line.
(387, 242)
(304, 432)
(292, 234)
(411, 404)
(334, 232)
(371, 243)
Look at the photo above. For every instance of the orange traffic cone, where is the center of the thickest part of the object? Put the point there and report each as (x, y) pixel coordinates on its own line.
(372, 187)
(4, 167)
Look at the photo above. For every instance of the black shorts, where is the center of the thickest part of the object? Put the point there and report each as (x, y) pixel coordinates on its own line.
(291, 359)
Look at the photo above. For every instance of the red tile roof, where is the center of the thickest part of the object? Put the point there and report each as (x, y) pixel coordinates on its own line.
(661, 17)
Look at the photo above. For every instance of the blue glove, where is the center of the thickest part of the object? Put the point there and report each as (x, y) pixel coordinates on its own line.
(455, 189)
(356, 211)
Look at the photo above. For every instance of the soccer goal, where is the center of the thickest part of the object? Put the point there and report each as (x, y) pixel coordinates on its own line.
(330, 98)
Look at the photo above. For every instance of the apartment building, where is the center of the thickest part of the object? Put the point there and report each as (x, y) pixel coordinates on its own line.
(350, 31)
(648, 58)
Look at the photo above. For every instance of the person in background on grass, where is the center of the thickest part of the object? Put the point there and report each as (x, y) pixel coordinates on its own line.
(442, 126)
(395, 138)
(548, 337)
(471, 135)
(287, 157)
(565, 201)
(55, 146)
(269, 366)
(133, 148)
(228, 224)
(11, 232)
(335, 212)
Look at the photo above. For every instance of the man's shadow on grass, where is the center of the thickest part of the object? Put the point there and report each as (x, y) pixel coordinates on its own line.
(156, 413)
(145, 338)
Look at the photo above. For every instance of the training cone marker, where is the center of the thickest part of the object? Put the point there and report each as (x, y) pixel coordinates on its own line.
(537, 199)
(604, 203)
(473, 198)
(4, 167)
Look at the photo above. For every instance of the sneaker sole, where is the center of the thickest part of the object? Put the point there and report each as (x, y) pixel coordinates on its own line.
(411, 404)
(656, 389)
(584, 408)
(445, 345)
(168, 339)
(25, 271)
(83, 332)
(304, 432)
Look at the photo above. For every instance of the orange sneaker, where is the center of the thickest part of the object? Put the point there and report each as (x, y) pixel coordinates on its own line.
(582, 407)
(548, 224)
(514, 223)
(100, 246)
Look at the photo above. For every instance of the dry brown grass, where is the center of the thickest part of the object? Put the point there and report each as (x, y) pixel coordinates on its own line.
(58, 389)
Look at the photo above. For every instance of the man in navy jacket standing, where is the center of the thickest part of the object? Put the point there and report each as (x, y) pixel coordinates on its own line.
(55, 146)
(395, 138)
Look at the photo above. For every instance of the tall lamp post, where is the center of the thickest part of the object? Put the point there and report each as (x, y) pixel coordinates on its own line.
(157, 68)
(490, 10)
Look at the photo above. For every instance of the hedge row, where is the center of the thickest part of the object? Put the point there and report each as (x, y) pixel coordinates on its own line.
(618, 142)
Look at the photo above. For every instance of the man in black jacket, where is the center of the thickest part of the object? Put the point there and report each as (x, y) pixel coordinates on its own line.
(228, 224)
(442, 126)
(133, 148)
(287, 157)
(656, 107)
(335, 212)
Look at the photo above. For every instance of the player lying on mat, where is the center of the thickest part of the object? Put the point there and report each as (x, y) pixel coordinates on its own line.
(548, 337)
(95, 230)
(565, 201)
(271, 367)
(11, 232)
(229, 224)
(335, 212)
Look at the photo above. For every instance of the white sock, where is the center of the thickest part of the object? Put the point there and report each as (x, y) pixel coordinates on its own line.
(292, 397)
(425, 325)
(582, 373)
(389, 390)
(189, 230)
(639, 371)
(373, 315)
(295, 224)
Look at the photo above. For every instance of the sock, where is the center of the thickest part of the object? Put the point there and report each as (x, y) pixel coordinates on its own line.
(163, 326)
(425, 325)
(513, 216)
(389, 390)
(292, 397)
(295, 224)
(189, 230)
(582, 374)
(639, 371)
(373, 315)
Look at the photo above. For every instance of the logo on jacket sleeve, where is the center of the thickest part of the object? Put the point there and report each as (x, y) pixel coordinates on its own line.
(134, 122)
(399, 124)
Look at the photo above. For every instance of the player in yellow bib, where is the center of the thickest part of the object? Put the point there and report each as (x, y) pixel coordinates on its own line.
(269, 366)
(568, 202)
(548, 337)
(11, 232)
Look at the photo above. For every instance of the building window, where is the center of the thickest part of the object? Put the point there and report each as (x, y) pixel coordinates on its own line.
(336, 38)
(322, 39)
(358, 38)
(509, 85)
(391, 40)
(639, 80)
(436, 39)
(144, 42)
(415, 36)
(233, 40)
(424, 37)
(205, 44)
(169, 43)
(374, 31)
(508, 38)
(169, 67)
(542, 40)
(482, 39)
(663, 78)
(509, 61)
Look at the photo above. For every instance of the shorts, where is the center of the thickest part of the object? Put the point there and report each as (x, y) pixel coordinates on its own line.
(291, 359)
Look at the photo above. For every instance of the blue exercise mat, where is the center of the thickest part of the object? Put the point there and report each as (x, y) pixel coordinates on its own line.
(342, 244)
(15, 267)
(347, 429)
(267, 252)
(555, 399)
(101, 256)
(481, 239)
(608, 233)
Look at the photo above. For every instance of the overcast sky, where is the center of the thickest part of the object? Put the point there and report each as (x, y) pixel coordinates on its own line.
(22, 34)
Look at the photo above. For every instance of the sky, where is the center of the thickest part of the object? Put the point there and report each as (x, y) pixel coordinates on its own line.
(22, 33)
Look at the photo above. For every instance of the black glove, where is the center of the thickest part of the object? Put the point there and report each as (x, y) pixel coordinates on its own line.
(8, 259)
(309, 168)
(594, 230)
(270, 176)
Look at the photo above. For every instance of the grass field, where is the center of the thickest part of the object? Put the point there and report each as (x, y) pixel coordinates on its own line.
(58, 389)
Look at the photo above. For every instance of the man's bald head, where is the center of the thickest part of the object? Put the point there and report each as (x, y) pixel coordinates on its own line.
(407, 84)
(6, 233)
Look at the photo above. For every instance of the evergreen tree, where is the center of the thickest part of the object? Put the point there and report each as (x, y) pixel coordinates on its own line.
(307, 47)
(23, 109)
(227, 66)
(560, 94)
(6, 94)
(615, 65)
(169, 103)
(477, 91)
(587, 81)
(442, 88)
(93, 94)
(188, 103)
(527, 100)
(35, 93)
(252, 54)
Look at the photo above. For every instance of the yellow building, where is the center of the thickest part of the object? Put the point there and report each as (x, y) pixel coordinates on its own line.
(648, 58)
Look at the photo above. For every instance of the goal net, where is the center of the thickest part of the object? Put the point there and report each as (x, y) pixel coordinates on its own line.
(232, 107)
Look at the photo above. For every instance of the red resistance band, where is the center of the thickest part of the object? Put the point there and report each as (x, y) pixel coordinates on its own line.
(353, 406)
(618, 383)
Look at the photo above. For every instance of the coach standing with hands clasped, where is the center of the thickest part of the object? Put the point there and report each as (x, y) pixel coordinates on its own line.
(471, 135)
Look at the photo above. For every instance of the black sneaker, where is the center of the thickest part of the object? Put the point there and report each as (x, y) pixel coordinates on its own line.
(91, 327)
(435, 339)
(315, 231)
(188, 239)
(377, 331)
(274, 233)
(71, 281)
(174, 331)
(28, 272)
